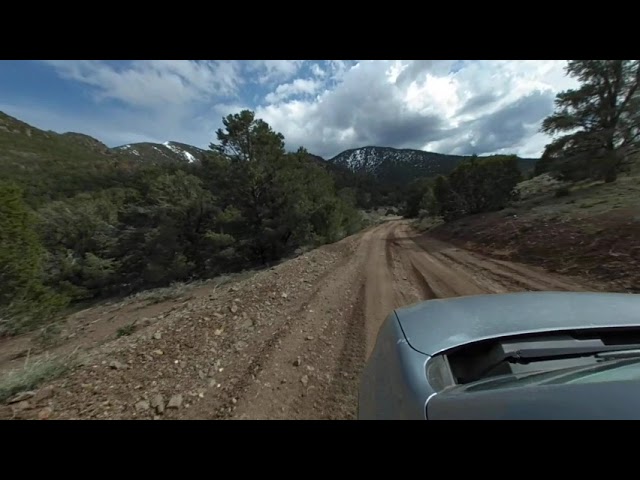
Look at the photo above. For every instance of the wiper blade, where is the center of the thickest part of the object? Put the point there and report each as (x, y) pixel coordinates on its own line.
(539, 354)
(626, 353)
(528, 355)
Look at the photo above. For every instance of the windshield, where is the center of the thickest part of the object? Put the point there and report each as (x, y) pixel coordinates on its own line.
(608, 371)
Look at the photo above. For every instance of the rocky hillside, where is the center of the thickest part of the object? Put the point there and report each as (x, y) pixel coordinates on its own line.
(397, 166)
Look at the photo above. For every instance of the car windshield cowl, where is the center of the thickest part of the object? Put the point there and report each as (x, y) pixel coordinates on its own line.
(610, 369)
(529, 355)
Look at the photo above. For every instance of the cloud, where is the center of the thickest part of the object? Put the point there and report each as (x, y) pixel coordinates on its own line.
(418, 68)
(442, 105)
(154, 83)
(509, 127)
(318, 71)
(299, 86)
(275, 70)
(448, 106)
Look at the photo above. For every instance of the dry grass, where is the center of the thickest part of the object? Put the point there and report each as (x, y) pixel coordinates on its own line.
(586, 199)
(157, 295)
(540, 185)
(34, 373)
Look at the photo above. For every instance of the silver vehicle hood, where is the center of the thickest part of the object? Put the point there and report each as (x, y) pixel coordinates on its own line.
(436, 325)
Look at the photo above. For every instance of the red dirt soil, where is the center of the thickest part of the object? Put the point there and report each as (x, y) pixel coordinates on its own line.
(604, 248)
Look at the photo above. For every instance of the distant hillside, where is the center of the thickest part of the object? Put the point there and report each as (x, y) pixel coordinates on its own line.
(163, 152)
(50, 165)
(400, 166)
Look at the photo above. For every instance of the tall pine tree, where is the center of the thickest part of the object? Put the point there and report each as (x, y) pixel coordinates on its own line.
(24, 301)
(601, 118)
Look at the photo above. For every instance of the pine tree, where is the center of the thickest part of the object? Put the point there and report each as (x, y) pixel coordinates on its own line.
(602, 116)
(23, 299)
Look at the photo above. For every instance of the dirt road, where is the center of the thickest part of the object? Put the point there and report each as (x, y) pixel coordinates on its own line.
(391, 267)
(290, 342)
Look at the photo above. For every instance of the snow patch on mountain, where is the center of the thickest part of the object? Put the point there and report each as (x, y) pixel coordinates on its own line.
(180, 151)
(188, 156)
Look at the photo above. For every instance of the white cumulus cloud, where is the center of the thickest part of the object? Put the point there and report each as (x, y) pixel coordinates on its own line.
(448, 106)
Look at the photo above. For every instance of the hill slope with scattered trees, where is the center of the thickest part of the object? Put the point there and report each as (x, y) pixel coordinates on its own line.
(81, 221)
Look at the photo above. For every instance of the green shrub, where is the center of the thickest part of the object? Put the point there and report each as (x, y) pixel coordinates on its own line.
(126, 330)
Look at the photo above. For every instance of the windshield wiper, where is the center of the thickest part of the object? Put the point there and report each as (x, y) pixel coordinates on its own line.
(528, 355)
(626, 353)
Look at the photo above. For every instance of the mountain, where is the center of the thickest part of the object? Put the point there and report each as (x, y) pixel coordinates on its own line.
(400, 166)
(163, 152)
(50, 165)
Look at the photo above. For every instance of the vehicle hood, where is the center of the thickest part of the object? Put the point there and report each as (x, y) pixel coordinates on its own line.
(596, 401)
(433, 326)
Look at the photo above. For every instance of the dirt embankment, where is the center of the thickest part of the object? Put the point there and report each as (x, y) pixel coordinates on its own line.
(604, 249)
(288, 342)
(590, 229)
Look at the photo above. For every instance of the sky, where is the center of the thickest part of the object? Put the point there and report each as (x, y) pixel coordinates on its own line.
(327, 106)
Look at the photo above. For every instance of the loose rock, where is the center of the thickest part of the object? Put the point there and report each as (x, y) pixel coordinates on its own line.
(157, 335)
(297, 362)
(157, 403)
(175, 402)
(233, 308)
(116, 365)
(305, 380)
(21, 406)
(43, 394)
(248, 323)
(45, 413)
(21, 397)
(142, 406)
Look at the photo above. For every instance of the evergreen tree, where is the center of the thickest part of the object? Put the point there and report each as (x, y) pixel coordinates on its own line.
(602, 118)
(24, 301)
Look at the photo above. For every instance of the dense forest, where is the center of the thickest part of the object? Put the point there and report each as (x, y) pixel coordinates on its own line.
(75, 227)
(476, 185)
